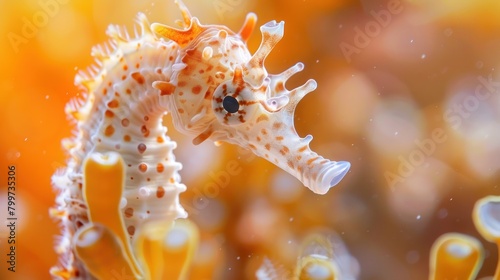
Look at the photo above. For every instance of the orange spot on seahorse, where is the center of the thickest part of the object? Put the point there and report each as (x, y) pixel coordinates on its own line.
(131, 230)
(125, 122)
(145, 131)
(141, 148)
(138, 77)
(160, 168)
(113, 103)
(109, 114)
(279, 87)
(302, 149)
(143, 167)
(129, 212)
(277, 125)
(160, 192)
(203, 136)
(109, 130)
(310, 161)
(284, 150)
(165, 88)
(262, 117)
(196, 89)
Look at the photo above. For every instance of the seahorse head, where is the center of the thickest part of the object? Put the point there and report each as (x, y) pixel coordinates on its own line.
(219, 91)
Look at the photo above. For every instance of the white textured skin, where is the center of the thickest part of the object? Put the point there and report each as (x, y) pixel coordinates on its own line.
(141, 108)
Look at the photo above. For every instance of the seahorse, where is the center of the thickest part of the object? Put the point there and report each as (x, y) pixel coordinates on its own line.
(206, 78)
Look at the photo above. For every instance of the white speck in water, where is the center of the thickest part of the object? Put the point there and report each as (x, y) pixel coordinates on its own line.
(47, 96)
(411, 41)
(317, 60)
(238, 257)
(228, 268)
(451, 199)
(25, 139)
(289, 241)
(423, 56)
(396, 133)
(371, 119)
(291, 219)
(418, 217)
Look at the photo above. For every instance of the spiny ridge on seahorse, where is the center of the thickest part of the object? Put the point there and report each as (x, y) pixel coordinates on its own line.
(119, 192)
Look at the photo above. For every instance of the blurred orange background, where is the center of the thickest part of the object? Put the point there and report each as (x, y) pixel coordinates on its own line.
(392, 75)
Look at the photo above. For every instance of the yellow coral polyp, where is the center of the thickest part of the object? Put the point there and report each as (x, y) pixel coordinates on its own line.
(455, 256)
(179, 246)
(487, 221)
(148, 249)
(316, 261)
(103, 183)
(102, 253)
(167, 255)
(316, 268)
(103, 244)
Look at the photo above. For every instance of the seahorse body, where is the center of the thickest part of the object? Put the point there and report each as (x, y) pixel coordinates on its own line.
(214, 88)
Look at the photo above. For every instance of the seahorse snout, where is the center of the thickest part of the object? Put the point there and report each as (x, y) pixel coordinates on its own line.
(330, 175)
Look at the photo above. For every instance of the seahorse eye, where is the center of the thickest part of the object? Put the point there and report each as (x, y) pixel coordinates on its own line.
(230, 104)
